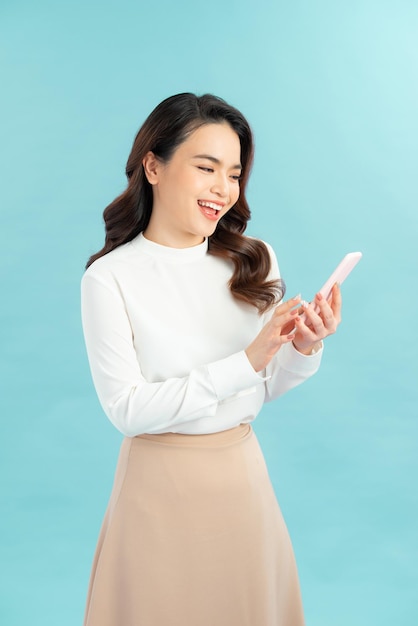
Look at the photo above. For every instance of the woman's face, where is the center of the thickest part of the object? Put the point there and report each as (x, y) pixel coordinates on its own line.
(195, 188)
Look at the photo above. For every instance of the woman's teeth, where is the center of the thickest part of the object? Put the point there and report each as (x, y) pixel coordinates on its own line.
(209, 205)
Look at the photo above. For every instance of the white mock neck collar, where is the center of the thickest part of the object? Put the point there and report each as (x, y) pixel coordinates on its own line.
(180, 255)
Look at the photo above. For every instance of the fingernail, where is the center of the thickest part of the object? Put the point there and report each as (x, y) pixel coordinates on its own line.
(304, 304)
(319, 296)
(298, 297)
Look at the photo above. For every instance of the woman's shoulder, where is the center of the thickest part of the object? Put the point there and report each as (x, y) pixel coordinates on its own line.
(270, 249)
(114, 261)
(262, 241)
(274, 271)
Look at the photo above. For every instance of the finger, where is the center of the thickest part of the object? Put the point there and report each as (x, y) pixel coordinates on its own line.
(284, 323)
(288, 328)
(314, 320)
(306, 332)
(326, 312)
(277, 340)
(323, 320)
(282, 317)
(286, 306)
(336, 301)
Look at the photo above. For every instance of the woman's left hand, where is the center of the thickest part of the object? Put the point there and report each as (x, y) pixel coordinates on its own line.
(318, 325)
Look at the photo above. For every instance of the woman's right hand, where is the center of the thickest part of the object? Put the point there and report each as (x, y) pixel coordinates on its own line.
(273, 335)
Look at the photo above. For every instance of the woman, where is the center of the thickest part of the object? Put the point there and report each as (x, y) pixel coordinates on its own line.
(186, 340)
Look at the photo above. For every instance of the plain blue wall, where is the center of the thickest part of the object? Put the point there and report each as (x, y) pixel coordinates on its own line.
(331, 91)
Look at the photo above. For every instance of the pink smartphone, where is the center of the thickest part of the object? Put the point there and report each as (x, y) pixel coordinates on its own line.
(339, 274)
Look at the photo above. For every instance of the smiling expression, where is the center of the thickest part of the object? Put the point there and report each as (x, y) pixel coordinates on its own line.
(195, 188)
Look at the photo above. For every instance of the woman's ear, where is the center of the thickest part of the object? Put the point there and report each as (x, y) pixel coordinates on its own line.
(151, 167)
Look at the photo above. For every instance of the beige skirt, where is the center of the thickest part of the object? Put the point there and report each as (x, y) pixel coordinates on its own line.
(193, 536)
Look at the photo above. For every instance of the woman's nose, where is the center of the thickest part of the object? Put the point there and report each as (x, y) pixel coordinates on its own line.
(220, 185)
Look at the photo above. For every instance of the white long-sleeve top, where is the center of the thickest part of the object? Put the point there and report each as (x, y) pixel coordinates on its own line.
(166, 342)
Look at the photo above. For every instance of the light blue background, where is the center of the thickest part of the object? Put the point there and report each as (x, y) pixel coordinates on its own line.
(331, 91)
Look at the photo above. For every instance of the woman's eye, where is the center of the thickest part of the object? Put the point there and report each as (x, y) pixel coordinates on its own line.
(236, 177)
(205, 169)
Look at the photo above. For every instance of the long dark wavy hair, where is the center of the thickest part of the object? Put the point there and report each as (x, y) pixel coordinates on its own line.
(169, 124)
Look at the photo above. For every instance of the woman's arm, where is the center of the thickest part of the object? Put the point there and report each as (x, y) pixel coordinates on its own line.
(272, 352)
(133, 404)
(300, 359)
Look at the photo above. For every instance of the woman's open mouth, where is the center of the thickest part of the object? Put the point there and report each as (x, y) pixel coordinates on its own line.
(210, 210)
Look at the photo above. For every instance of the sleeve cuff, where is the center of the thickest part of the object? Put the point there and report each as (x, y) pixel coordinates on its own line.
(294, 361)
(232, 375)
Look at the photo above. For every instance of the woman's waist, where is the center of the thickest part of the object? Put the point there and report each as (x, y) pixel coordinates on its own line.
(215, 439)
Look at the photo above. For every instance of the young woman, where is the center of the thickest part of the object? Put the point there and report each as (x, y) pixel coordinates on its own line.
(186, 339)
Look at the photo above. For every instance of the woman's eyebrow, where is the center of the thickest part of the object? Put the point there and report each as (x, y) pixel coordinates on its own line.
(215, 160)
